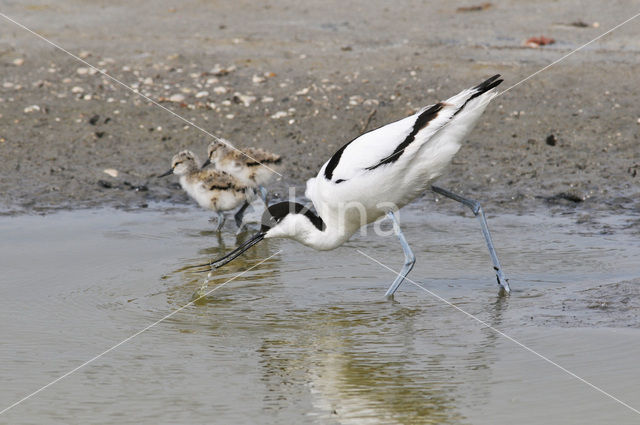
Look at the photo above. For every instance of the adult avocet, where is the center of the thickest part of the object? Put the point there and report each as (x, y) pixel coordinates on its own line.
(378, 173)
(211, 189)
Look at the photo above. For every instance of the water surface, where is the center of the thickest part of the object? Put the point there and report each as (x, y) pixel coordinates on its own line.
(306, 337)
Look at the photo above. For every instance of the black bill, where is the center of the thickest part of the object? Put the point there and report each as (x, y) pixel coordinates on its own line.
(207, 162)
(166, 174)
(236, 252)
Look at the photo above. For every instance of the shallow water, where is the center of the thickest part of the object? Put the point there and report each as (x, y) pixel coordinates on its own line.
(306, 337)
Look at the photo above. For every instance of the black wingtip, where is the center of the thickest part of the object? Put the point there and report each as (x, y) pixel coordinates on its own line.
(487, 85)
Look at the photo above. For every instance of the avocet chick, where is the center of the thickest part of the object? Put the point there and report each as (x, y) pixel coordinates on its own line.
(211, 189)
(253, 167)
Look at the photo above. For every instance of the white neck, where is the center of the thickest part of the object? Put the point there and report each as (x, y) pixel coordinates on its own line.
(299, 228)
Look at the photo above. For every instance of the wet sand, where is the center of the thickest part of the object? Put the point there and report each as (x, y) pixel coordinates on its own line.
(302, 80)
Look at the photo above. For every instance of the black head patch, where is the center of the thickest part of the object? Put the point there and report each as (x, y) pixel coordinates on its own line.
(276, 212)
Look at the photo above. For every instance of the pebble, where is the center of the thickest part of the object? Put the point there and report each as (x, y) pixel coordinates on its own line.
(32, 108)
(217, 70)
(111, 171)
(82, 71)
(278, 115)
(18, 61)
(257, 79)
(211, 80)
(202, 94)
(268, 99)
(84, 54)
(220, 90)
(176, 98)
(355, 100)
(229, 116)
(245, 99)
(77, 89)
(148, 81)
(7, 84)
(303, 91)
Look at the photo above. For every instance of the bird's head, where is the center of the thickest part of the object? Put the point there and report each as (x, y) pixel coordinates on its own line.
(281, 220)
(215, 151)
(183, 163)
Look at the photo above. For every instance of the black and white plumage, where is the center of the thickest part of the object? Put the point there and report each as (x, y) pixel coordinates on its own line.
(397, 162)
(378, 173)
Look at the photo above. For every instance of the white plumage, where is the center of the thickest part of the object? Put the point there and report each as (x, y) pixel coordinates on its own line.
(398, 182)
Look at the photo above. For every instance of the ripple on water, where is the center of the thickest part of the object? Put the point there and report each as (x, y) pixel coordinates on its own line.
(306, 337)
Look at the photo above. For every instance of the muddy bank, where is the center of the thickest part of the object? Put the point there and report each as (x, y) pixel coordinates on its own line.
(302, 80)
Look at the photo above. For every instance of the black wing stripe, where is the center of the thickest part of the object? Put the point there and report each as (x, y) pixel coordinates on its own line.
(481, 88)
(423, 120)
(333, 162)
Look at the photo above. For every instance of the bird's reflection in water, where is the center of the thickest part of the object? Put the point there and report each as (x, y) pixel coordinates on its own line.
(356, 365)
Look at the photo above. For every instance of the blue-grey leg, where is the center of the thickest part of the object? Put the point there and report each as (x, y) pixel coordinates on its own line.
(477, 211)
(263, 193)
(409, 258)
(220, 220)
(240, 214)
